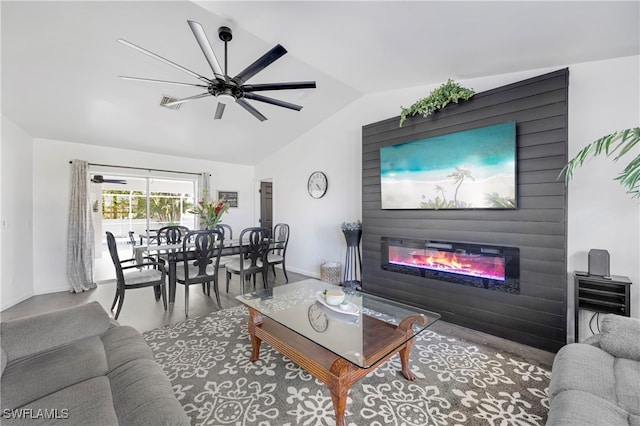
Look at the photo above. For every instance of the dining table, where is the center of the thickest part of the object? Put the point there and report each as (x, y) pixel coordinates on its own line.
(173, 253)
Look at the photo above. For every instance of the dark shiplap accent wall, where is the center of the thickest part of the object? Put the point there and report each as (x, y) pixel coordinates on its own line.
(536, 316)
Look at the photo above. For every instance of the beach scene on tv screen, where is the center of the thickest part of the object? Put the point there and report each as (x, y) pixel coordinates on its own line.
(472, 169)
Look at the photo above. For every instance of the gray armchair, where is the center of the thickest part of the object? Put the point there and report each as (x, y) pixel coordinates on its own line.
(597, 382)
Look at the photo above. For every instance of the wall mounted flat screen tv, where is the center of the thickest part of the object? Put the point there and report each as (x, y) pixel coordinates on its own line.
(472, 169)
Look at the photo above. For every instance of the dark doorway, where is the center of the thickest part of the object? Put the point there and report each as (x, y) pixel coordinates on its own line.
(266, 205)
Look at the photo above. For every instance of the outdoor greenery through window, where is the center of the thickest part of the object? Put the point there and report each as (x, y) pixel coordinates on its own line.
(133, 208)
(164, 207)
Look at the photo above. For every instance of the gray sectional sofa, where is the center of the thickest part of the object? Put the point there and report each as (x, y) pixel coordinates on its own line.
(598, 382)
(78, 367)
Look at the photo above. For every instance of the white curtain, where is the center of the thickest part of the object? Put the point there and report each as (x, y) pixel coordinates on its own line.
(80, 239)
(203, 192)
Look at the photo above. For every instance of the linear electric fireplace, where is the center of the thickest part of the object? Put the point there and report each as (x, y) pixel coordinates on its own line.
(478, 265)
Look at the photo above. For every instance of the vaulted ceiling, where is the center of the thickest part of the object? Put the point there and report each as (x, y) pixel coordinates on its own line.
(60, 61)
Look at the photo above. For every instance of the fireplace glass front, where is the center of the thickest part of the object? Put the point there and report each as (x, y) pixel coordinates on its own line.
(479, 265)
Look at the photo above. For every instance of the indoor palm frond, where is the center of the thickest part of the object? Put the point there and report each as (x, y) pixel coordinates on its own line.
(618, 143)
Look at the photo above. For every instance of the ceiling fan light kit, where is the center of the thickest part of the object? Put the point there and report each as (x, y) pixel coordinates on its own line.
(225, 98)
(225, 89)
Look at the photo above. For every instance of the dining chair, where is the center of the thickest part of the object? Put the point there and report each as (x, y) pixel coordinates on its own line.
(132, 241)
(278, 249)
(172, 234)
(137, 278)
(201, 266)
(227, 230)
(254, 247)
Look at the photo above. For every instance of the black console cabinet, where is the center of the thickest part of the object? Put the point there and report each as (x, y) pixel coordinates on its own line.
(598, 294)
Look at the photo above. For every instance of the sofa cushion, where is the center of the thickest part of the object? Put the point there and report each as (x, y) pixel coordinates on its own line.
(585, 368)
(33, 377)
(627, 374)
(85, 403)
(123, 344)
(577, 408)
(142, 395)
(619, 336)
(30, 335)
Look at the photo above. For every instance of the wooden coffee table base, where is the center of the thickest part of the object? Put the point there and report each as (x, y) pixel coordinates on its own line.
(334, 371)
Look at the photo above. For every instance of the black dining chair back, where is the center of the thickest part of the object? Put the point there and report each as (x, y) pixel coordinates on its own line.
(201, 266)
(227, 230)
(254, 248)
(228, 235)
(137, 276)
(172, 234)
(278, 250)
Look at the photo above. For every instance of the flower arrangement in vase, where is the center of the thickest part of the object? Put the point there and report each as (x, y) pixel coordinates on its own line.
(210, 212)
(351, 226)
(352, 232)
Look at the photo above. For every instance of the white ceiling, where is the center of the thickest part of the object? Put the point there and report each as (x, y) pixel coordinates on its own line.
(60, 61)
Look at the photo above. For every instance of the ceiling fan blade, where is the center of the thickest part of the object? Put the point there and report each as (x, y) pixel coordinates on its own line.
(150, 80)
(161, 59)
(279, 86)
(244, 104)
(101, 179)
(205, 46)
(219, 111)
(272, 101)
(190, 98)
(260, 64)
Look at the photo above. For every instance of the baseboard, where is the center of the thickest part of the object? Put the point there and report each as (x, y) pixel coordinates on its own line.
(303, 272)
(15, 301)
(66, 288)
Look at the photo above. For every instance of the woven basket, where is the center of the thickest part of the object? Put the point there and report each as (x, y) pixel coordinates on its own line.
(330, 272)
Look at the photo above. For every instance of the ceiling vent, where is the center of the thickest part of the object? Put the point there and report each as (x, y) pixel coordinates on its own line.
(166, 99)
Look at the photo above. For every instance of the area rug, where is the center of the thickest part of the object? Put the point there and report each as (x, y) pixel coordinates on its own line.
(458, 383)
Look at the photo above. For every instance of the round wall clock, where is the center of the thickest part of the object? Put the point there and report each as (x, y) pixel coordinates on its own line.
(318, 318)
(317, 184)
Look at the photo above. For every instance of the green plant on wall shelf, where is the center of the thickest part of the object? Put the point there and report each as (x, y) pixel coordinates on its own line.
(437, 99)
(618, 143)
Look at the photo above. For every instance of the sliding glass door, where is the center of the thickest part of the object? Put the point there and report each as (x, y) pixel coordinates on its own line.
(133, 208)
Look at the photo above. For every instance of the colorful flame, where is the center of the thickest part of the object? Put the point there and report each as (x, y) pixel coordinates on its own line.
(475, 265)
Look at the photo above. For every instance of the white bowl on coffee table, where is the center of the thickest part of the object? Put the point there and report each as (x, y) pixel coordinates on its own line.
(334, 297)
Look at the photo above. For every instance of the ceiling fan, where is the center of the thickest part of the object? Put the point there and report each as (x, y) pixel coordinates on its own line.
(221, 86)
(101, 179)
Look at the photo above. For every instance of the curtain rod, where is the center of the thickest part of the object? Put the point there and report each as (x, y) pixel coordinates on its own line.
(142, 168)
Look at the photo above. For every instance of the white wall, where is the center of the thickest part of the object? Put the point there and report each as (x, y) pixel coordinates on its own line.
(51, 174)
(16, 226)
(603, 97)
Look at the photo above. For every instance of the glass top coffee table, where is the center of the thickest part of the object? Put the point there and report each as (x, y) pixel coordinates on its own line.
(337, 346)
